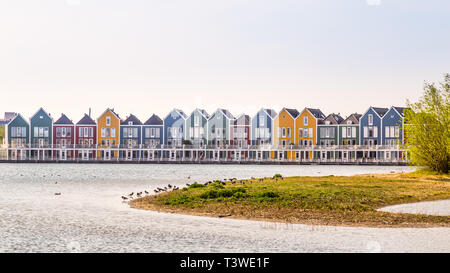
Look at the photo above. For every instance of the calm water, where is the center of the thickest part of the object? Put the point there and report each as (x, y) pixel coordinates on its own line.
(89, 215)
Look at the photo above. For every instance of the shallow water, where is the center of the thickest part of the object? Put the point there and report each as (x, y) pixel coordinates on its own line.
(440, 207)
(89, 215)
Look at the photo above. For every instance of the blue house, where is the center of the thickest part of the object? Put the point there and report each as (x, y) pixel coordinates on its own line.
(41, 131)
(130, 136)
(370, 128)
(174, 126)
(153, 132)
(392, 130)
(262, 127)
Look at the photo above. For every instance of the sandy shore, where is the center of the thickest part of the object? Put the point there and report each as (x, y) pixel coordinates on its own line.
(440, 208)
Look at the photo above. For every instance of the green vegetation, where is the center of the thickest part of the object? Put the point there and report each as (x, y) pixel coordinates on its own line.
(427, 128)
(277, 175)
(335, 200)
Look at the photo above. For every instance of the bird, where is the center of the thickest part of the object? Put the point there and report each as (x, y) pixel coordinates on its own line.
(189, 177)
(146, 192)
(124, 198)
(188, 185)
(170, 186)
(56, 182)
(57, 193)
(156, 191)
(131, 194)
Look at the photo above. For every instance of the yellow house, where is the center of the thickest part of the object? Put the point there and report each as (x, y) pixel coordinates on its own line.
(108, 126)
(284, 128)
(306, 126)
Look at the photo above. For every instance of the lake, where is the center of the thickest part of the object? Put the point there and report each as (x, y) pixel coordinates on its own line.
(89, 215)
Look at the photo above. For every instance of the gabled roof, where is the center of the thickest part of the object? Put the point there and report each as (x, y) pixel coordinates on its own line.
(112, 111)
(131, 118)
(180, 112)
(400, 110)
(272, 113)
(227, 113)
(42, 111)
(154, 120)
(380, 111)
(316, 113)
(18, 115)
(354, 118)
(203, 112)
(333, 119)
(64, 120)
(242, 119)
(294, 113)
(86, 120)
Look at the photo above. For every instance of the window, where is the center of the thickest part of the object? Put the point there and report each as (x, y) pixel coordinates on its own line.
(262, 121)
(300, 132)
(103, 134)
(310, 132)
(86, 132)
(349, 132)
(69, 132)
(288, 132)
(305, 120)
(370, 119)
(108, 121)
(344, 132)
(63, 131)
(283, 132)
(305, 132)
(58, 131)
(113, 132)
(91, 132)
(80, 132)
(196, 121)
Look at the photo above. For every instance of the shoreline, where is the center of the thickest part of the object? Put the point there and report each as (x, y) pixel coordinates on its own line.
(307, 216)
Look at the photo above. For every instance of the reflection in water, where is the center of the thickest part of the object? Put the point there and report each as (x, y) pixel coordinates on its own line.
(89, 215)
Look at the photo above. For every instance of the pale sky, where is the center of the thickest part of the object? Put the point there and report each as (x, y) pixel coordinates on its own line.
(150, 56)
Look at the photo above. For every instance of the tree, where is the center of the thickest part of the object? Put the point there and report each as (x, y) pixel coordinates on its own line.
(427, 127)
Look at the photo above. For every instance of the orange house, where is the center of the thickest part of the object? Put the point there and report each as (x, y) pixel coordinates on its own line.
(108, 126)
(306, 126)
(284, 131)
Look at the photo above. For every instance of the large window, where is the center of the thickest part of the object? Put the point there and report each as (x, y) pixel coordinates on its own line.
(370, 118)
(40, 132)
(391, 131)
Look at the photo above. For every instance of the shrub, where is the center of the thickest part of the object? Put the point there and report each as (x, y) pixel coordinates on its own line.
(269, 194)
(196, 185)
(277, 175)
(211, 194)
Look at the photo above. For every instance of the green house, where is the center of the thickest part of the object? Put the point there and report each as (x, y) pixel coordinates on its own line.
(17, 136)
(41, 132)
(327, 130)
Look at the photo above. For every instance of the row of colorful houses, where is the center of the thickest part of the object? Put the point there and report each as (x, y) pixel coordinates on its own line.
(290, 127)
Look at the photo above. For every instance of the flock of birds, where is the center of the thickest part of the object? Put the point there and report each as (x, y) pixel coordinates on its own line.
(170, 187)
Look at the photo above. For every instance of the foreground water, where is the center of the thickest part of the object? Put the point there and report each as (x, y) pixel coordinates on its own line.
(89, 215)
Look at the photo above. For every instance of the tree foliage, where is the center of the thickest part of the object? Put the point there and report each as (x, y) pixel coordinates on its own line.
(427, 127)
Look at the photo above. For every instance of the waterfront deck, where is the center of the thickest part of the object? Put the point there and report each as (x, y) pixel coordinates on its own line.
(189, 154)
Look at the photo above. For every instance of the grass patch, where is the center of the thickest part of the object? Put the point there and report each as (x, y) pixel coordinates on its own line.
(330, 200)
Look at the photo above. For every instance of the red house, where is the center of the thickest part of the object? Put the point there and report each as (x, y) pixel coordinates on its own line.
(240, 134)
(63, 132)
(86, 137)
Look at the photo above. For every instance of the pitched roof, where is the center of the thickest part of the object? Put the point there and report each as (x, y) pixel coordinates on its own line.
(293, 112)
(380, 111)
(354, 118)
(227, 113)
(86, 120)
(154, 120)
(64, 120)
(271, 113)
(203, 112)
(242, 119)
(333, 119)
(400, 110)
(131, 118)
(316, 113)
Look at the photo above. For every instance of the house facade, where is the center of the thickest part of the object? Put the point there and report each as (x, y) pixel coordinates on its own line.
(174, 126)
(306, 130)
(153, 132)
(370, 128)
(262, 127)
(219, 128)
(41, 124)
(64, 137)
(86, 137)
(197, 127)
(392, 130)
(284, 132)
(130, 137)
(108, 135)
(349, 130)
(18, 137)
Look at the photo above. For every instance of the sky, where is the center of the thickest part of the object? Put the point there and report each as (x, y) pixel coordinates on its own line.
(150, 56)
